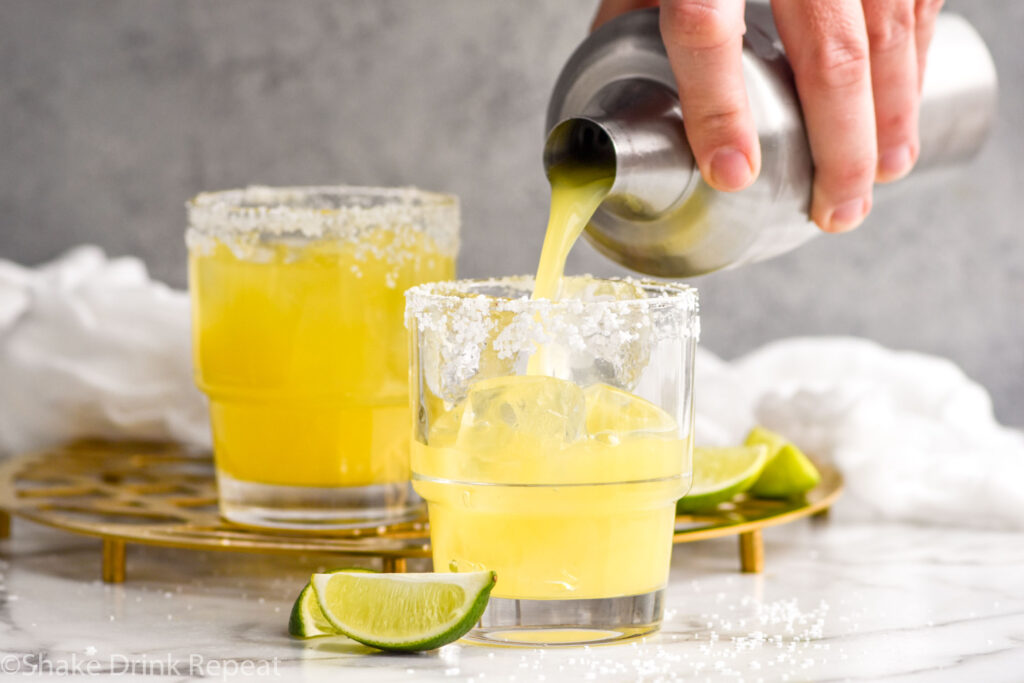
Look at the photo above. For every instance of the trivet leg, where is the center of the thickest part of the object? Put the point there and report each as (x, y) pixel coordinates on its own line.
(394, 565)
(822, 515)
(752, 552)
(113, 561)
(5, 524)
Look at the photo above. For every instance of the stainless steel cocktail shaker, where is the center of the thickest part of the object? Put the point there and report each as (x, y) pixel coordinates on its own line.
(616, 102)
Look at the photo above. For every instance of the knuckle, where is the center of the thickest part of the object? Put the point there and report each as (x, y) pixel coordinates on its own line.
(850, 176)
(901, 122)
(893, 30)
(722, 125)
(697, 24)
(839, 63)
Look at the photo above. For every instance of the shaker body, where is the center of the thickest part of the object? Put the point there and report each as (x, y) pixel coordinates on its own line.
(660, 217)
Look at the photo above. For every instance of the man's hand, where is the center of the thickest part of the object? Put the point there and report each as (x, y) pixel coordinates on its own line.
(858, 66)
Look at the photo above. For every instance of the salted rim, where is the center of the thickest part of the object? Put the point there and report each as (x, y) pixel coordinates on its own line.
(346, 211)
(462, 293)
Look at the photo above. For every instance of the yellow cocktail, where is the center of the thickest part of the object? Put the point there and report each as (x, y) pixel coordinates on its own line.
(564, 483)
(566, 493)
(300, 346)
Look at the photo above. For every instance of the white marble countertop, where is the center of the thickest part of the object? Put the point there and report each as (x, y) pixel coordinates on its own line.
(836, 602)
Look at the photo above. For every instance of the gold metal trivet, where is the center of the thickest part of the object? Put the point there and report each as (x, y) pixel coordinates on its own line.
(746, 517)
(164, 494)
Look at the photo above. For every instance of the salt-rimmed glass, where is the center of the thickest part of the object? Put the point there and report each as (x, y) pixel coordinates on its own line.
(299, 344)
(551, 441)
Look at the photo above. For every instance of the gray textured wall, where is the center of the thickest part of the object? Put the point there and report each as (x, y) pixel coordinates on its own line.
(113, 112)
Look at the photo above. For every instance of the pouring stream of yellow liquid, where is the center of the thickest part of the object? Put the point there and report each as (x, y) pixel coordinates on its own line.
(576, 192)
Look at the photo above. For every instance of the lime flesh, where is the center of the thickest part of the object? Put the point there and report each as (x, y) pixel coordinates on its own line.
(403, 612)
(772, 440)
(719, 474)
(307, 620)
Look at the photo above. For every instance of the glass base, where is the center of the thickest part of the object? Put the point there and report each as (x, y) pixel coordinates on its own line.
(532, 623)
(316, 507)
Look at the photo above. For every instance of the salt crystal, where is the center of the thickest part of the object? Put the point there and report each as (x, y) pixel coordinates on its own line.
(337, 213)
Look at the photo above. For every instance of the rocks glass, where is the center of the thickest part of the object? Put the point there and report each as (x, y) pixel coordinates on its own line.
(299, 344)
(551, 442)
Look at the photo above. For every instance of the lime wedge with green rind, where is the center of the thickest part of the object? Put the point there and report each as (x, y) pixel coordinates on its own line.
(788, 473)
(307, 620)
(720, 474)
(403, 612)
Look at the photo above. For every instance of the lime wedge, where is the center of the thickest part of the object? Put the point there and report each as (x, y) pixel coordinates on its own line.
(403, 612)
(719, 474)
(788, 473)
(307, 620)
(766, 437)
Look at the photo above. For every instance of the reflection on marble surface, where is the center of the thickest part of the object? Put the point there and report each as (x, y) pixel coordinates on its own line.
(837, 602)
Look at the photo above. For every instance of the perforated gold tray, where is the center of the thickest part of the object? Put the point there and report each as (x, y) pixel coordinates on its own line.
(164, 494)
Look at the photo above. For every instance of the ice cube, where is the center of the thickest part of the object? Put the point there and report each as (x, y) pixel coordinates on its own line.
(613, 415)
(445, 427)
(522, 411)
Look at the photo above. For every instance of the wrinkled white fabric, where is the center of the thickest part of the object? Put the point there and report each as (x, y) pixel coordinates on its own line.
(91, 346)
(915, 439)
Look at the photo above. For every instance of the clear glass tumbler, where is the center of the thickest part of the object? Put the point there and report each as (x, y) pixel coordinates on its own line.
(298, 342)
(551, 441)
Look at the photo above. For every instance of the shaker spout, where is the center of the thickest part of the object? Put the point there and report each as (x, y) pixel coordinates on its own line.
(633, 128)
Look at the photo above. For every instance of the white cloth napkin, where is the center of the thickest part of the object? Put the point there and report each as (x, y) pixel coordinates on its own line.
(91, 346)
(914, 437)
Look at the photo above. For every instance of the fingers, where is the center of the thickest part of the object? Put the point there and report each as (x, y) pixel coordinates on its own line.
(925, 12)
(704, 40)
(894, 78)
(609, 9)
(827, 45)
